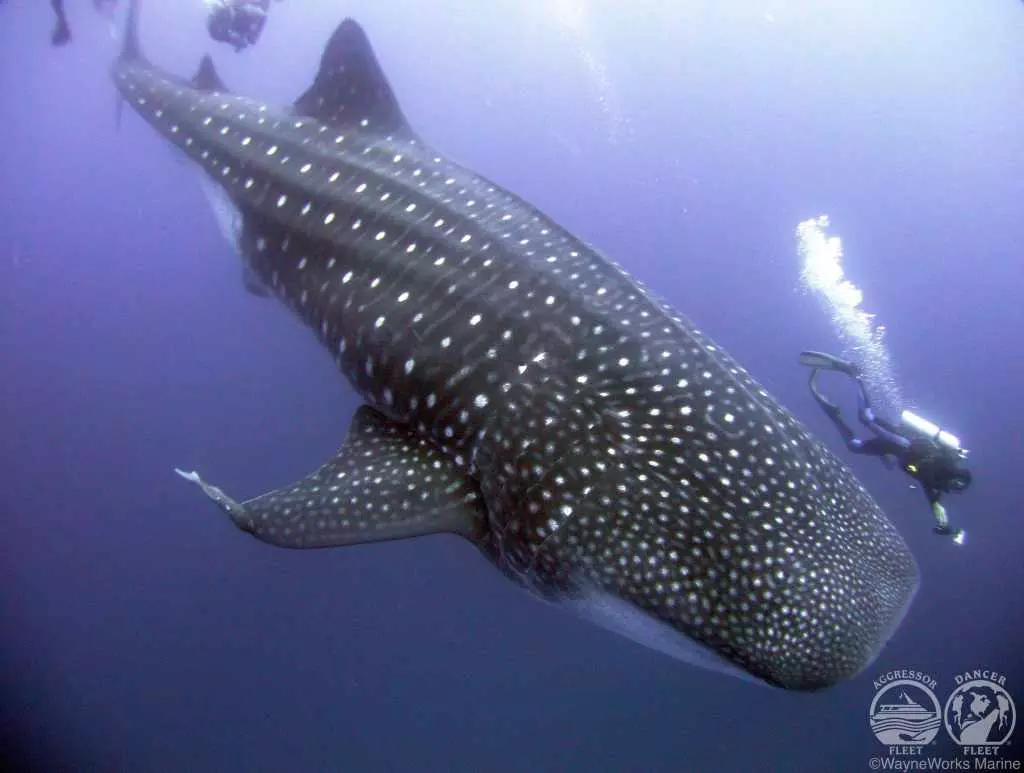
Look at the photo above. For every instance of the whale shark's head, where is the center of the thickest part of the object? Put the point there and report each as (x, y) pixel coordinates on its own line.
(711, 512)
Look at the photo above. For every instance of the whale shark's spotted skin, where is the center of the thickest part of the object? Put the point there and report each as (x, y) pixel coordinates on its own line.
(526, 393)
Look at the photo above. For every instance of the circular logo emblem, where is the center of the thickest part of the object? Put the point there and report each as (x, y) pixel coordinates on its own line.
(905, 713)
(980, 713)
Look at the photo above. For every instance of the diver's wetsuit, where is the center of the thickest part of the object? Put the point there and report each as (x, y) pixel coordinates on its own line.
(887, 440)
(935, 470)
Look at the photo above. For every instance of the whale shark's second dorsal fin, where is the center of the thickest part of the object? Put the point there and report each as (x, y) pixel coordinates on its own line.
(206, 77)
(350, 89)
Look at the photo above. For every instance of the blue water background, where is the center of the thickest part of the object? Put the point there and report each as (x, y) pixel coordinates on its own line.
(139, 631)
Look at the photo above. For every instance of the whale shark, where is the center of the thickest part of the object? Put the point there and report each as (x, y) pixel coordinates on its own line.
(523, 392)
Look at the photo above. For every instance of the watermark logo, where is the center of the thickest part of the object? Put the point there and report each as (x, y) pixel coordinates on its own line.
(979, 714)
(905, 715)
(979, 717)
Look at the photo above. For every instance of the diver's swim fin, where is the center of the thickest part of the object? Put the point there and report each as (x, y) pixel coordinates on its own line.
(824, 361)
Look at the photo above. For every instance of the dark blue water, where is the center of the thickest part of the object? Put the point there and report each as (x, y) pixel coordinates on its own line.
(140, 631)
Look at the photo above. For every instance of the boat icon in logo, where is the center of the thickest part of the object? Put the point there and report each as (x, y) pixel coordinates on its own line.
(905, 713)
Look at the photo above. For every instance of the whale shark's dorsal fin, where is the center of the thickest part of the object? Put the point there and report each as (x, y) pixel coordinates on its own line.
(206, 77)
(350, 89)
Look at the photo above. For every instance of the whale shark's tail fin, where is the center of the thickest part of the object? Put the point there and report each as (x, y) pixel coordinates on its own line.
(384, 483)
(116, 14)
(130, 32)
(130, 49)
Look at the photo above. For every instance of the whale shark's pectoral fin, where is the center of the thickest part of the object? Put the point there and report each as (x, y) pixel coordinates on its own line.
(384, 483)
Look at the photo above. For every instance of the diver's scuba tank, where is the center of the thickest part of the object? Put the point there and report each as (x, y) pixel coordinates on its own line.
(933, 432)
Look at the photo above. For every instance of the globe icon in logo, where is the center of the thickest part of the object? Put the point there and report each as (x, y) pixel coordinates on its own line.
(980, 713)
(905, 713)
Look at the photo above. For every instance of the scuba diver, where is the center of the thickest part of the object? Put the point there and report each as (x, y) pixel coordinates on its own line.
(236, 22)
(239, 23)
(926, 453)
(61, 34)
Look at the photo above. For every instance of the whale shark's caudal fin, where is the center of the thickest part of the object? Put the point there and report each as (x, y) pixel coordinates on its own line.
(130, 33)
(130, 50)
(384, 483)
(351, 89)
